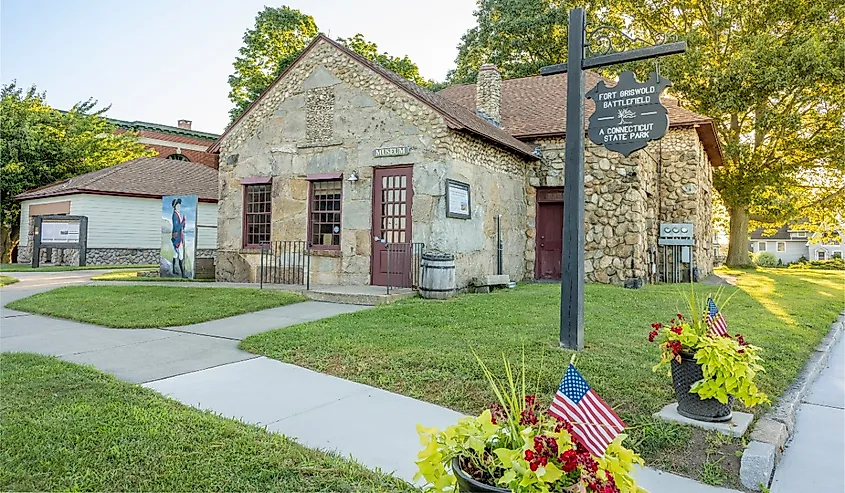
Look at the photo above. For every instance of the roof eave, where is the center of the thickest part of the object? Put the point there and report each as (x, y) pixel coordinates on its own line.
(82, 191)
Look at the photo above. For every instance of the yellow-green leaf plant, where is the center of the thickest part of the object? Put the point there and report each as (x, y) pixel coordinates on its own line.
(728, 364)
(515, 445)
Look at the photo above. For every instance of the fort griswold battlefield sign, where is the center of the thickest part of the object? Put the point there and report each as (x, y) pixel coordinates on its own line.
(629, 114)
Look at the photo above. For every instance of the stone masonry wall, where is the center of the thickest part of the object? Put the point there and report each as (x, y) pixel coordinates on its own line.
(101, 256)
(621, 209)
(497, 180)
(615, 210)
(278, 138)
(686, 188)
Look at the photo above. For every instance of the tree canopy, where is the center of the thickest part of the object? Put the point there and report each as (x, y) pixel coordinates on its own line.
(278, 37)
(772, 77)
(520, 36)
(771, 74)
(402, 66)
(280, 34)
(40, 145)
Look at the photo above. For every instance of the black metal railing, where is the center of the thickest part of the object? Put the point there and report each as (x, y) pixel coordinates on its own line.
(285, 262)
(403, 265)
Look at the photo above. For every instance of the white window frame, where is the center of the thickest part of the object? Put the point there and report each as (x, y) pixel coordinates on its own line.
(761, 246)
(836, 254)
(781, 246)
(800, 234)
(821, 255)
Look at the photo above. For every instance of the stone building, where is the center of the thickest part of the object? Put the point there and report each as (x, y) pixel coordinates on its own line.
(339, 151)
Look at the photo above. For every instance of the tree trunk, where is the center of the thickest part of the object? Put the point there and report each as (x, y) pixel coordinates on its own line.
(6, 244)
(738, 241)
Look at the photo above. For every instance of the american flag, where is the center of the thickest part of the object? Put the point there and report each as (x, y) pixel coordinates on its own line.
(594, 423)
(715, 320)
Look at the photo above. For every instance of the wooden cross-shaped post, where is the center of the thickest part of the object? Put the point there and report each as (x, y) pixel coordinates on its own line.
(572, 262)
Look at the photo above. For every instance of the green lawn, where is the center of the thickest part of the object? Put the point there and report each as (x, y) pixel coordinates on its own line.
(62, 268)
(6, 280)
(422, 348)
(70, 427)
(132, 275)
(150, 306)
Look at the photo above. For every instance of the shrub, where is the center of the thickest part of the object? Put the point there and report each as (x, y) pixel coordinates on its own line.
(830, 264)
(766, 259)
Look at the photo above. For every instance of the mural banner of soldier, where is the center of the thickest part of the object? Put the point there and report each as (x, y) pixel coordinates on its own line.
(178, 236)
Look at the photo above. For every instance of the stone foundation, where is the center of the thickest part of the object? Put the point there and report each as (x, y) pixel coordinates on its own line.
(101, 256)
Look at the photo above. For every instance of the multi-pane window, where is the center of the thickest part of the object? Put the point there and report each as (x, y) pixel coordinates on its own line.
(761, 246)
(256, 215)
(821, 255)
(324, 211)
(781, 246)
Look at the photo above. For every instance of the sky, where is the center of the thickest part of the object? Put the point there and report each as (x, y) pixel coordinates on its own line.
(160, 61)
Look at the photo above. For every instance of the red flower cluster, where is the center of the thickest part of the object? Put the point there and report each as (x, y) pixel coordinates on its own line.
(741, 341)
(654, 328)
(529, 416)
(568, 461)
(497, 412)
(545, 448)
(674, 346)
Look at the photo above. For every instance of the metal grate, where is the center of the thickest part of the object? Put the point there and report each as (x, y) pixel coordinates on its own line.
(285, 262)
(403, 264)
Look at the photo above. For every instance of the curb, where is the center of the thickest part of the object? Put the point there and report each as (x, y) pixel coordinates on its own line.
(771, 432)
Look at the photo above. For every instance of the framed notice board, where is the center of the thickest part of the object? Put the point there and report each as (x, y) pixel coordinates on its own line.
(458, 203)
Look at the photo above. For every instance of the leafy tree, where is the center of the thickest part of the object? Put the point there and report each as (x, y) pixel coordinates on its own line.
(520, 36)
(402, 66)
(278, 37)
(40, 145)
(771, 74)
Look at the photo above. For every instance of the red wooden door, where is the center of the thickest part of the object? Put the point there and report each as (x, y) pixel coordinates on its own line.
(392, 198)
(549, 241)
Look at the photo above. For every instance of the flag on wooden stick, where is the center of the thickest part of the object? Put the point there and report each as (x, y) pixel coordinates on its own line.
(594, 423)
(715, 320)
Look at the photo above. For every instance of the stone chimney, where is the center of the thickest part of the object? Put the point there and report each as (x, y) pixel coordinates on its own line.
(186, 124)
(488, 93)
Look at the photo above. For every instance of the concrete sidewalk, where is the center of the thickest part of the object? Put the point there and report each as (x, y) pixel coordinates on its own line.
(814, 458)
(376, 427)
(143, 355)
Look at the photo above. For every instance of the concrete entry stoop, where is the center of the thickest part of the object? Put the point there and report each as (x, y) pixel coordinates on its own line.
(358, 295)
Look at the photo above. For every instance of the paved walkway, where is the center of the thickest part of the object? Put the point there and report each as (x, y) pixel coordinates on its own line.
(141, 355)
(814, 457)
(201, 366)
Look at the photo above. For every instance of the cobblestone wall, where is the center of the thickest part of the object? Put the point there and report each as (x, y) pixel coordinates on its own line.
(287, 136)
(101, 256)
(622, 211)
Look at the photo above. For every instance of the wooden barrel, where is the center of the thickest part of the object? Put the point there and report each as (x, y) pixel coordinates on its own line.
(437, 276)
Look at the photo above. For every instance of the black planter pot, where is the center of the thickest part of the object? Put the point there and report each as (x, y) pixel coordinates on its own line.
(468, 485)
(690, 405)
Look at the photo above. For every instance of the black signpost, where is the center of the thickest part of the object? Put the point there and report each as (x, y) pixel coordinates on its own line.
(629, 134)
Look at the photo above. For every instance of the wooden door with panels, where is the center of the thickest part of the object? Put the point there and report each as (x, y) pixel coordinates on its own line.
(549, 240)
(392, 199)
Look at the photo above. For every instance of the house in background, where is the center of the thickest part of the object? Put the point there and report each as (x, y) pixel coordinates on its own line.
(123, 206)
(790, 243)
(180, 142)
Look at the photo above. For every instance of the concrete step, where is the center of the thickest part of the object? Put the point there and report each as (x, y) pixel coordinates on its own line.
(353, 296)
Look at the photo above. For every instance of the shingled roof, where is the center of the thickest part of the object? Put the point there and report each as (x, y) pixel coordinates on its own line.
(150, 177)
(535, 107)
(457, 117)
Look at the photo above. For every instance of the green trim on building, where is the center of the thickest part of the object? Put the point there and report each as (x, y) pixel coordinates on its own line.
(166, 129)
